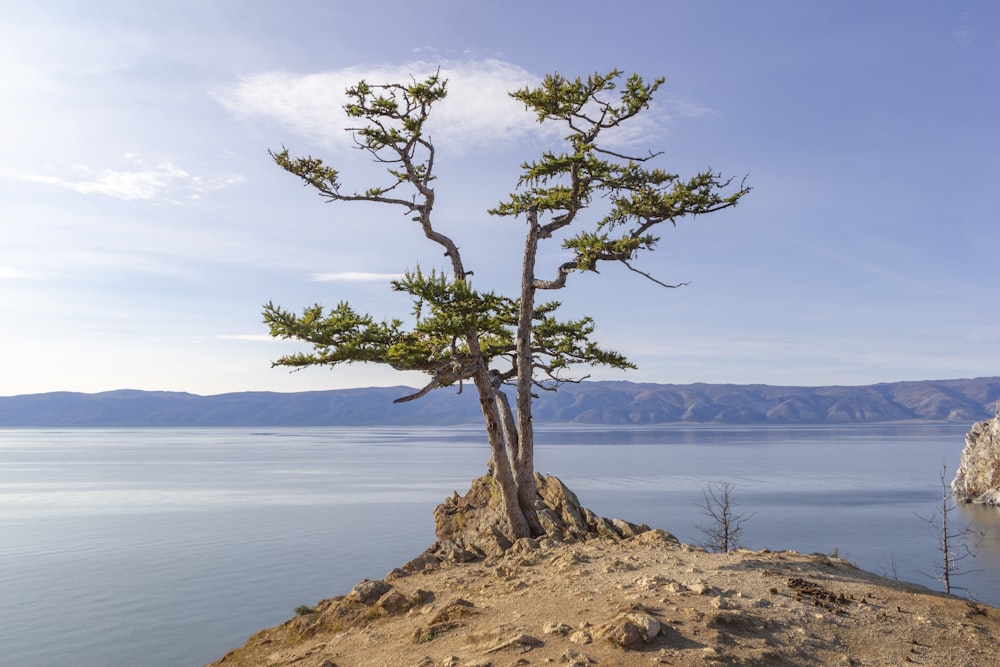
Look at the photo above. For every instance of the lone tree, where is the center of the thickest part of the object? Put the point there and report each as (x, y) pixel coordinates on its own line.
(954, 544)
(725, 530)
(458, 333)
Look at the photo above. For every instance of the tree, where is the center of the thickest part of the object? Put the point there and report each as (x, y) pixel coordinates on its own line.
(955, 545)
(726, 527)
(461, 334)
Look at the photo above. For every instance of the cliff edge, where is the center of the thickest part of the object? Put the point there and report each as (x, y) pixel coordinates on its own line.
(978, 477)
(606, 592)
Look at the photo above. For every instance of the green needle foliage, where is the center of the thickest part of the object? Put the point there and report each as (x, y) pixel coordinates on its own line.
(459, 334)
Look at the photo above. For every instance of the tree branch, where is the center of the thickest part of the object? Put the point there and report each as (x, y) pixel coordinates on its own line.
(655, 280)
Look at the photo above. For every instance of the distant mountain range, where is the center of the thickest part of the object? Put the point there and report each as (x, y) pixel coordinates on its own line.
(585, 403)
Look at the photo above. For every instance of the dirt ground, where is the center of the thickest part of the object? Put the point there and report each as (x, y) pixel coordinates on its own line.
(646, 600)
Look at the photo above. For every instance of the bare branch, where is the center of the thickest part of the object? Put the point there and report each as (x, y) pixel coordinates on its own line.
(655, 280)
(452, 371)
(561, 273)
(604, 151)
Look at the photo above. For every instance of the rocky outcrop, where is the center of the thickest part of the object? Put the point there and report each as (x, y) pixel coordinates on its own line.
(978, 476)
(634, 602)
(473, 526)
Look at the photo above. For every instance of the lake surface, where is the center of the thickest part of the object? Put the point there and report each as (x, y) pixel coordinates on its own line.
(168, 547)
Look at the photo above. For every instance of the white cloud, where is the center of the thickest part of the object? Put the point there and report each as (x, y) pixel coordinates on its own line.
(963, 37)
(478, 111)
(251, 338)
(135, 181)
(977, 335)
(354, 276)
(689, 109)
(10, 273)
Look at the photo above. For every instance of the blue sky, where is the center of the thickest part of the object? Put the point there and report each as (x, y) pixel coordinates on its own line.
(144, 224)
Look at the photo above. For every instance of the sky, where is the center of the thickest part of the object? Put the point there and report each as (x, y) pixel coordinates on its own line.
(144, 224)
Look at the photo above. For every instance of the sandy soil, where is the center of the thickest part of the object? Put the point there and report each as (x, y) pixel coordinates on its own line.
(642, 601)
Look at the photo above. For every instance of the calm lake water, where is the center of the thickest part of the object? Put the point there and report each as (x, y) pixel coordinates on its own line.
(168, 547)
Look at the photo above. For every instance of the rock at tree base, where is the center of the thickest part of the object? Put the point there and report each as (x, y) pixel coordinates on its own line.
(978, 476)
(473, 526)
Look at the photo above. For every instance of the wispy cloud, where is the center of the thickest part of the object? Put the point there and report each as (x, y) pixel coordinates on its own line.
(10, 273)
(984, 335)
(354, 277)
(685, 108)
(478, 111)
(963, 37)
(250, 338)
(134, 181)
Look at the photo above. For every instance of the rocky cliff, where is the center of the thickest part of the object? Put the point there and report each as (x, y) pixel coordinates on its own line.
(580, 598)
(978, 476)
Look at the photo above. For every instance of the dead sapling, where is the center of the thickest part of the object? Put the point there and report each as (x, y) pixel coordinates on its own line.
(954, 544)
(725, 529)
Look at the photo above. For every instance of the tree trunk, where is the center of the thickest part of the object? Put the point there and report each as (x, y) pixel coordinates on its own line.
(508, 422)
(502, 473)
(527, 493)
(524, 461)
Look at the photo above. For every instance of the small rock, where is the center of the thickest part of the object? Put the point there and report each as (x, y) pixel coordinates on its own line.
(369, 591)
(699, 587)
(420, 596)
(649, 583)
(524, 641)
(568, 561)
(457, 554)
(581, 637)
(656, 536)
(556, 629)
(574, 659)
(422, 563)
(630, 630)
(454, 610)
(627, 529)
(394, 602)
(649, 626)
(618, 565)
(525, 545)
(504, 572)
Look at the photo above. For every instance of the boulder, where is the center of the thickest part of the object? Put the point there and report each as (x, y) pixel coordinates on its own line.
(978, 477)
(369, 591)
(630, 630)
(394, 602)
(474, 525)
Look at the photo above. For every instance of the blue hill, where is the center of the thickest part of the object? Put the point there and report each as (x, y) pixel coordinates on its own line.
(966, 400)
